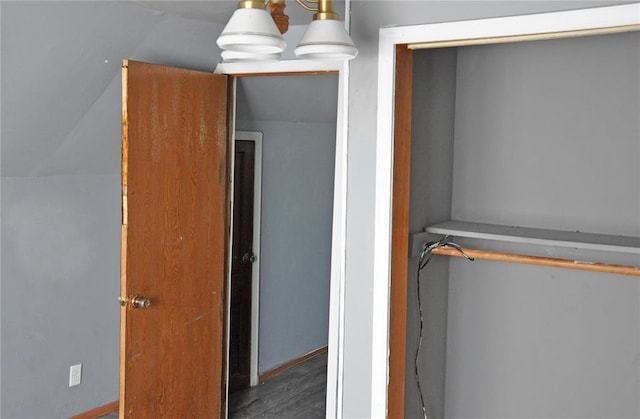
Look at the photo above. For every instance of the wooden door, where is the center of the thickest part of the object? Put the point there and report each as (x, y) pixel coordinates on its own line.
(242, 266)
(174, 240)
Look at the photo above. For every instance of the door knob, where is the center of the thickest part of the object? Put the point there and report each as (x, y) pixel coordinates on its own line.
(248, 258)
(137, 301)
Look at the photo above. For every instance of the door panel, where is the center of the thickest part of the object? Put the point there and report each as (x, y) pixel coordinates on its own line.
(174, 242)
(242, 266)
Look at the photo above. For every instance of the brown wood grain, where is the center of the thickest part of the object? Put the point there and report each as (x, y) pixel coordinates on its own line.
(123, 231)
(98, 411)
(276, 9)
(539, 260)
(400, 231)
(175, 240)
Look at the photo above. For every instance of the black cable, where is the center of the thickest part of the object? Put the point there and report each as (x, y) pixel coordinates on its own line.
(423, 260)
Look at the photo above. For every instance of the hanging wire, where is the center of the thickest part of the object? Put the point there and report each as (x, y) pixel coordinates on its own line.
(423, 260)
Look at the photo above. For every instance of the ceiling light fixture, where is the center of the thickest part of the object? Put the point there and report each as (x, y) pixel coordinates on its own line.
(326, 38)
(252, 31)
(252, 34)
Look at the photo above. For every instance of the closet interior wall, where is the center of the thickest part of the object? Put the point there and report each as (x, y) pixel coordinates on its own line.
(433, 118)
(541, 134)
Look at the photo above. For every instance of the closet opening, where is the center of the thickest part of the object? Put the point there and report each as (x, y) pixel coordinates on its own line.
(526, 148)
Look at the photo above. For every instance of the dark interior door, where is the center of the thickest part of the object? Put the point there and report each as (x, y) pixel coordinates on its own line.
(241, 268)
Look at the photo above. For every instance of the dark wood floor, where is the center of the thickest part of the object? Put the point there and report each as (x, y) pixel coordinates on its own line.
(299, 392)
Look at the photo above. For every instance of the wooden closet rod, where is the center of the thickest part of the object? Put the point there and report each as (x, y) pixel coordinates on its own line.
(539, 260)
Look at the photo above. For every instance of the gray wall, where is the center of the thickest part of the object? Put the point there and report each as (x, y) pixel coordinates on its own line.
(60, 237)
(366, 19)
(561, 119)
(546, 135)
(297, 205)
(434, 75)
(60, 274)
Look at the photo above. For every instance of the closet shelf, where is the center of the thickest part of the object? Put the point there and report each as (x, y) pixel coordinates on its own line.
(537, 236)
(526, 235)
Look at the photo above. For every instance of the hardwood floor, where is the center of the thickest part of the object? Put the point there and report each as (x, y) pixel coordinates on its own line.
(298, 392)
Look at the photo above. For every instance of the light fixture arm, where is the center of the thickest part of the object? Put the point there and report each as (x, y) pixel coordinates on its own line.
(281, 19)
(305, 6)
(323, 9)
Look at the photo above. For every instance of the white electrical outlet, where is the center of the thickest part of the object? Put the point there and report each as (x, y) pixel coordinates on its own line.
(75, 375)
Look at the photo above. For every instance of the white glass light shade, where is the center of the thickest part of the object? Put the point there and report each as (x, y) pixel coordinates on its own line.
(235, 56)
(252, 31)
(326, 40)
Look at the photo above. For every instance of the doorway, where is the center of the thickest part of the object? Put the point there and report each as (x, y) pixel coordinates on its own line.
(244, 268)
(215, 170)
(290, 306)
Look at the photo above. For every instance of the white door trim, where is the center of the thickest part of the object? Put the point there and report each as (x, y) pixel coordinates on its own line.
(338, 244)
(473, 31)
(256, 137)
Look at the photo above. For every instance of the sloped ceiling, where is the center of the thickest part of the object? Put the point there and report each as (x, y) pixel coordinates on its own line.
(61, 83)
(216, 11)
